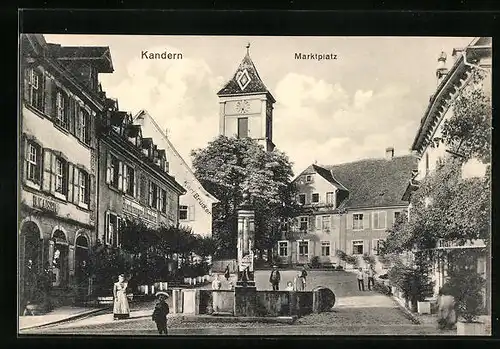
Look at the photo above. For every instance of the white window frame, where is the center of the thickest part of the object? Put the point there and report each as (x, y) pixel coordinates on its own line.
(332, 195)
(362, 221)
(34, 161)
(358, 243)
(109, 237)
(60, 177)
(329, 223)
(287, 248)
(306, 219)
(378, 220)
(312, 198)
(298, 247)
(324, 245)
(184, 208)
(82, 189)
(309, 178)
(163, 201)
(112, 169)
(127, 182)
(61, 111)
(85, 126)
(35, 90)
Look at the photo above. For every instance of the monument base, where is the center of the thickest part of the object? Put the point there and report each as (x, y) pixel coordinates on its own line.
(245, 284)
(245, 300)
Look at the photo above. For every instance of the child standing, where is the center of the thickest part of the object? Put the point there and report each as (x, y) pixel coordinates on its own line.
(160, 312)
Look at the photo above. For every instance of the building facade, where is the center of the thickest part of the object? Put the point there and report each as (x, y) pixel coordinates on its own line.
(450, 81)
(195, 207)
(246, 106)
(60, 101)
(346, 207)
(133, 178)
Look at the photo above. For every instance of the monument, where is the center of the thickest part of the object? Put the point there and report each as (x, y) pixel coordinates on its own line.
(245, 290)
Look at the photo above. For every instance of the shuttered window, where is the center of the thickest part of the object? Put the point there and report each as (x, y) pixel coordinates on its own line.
(304, 223)
(60, 175)
(325, 248)
(35, 88)
(113, 230)
(164, 202)
(33, 162)
(326, 224)
(357, 247)
(183, 212)
(379, 220)
(357, 221)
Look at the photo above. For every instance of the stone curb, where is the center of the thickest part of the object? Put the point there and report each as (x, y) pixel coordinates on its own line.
(407, 312)
(66, 319)
(230, 319)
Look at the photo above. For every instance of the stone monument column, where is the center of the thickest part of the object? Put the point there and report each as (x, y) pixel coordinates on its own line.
(245, 290)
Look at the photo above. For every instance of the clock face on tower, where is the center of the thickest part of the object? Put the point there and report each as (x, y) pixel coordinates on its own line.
(242, 107)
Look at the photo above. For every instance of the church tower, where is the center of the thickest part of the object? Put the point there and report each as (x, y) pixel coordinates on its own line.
(246, 106)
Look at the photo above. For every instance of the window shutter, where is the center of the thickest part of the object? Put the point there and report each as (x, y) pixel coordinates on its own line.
(383, 218)
(191, 212)
(374, 247)
(312, 221)
(136, 189)
(71, 260)
(365, 246)
(318, 222)
(348, 247)
(106, 230)
(332, 223)
(120, 175)
(49, 97)
(91, 192)
(71, 179)
(125, 178)
(78, 122)
(118, 226)
(25, 150)
(143, 191)
(109, 170)
(366, 221)
(26, 86)
(349, 220)
(38, 164)
(76, 184)
(53, 173)
(47, 170)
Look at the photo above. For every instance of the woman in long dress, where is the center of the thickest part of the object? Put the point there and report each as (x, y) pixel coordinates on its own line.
(299, 282)
(121, 308)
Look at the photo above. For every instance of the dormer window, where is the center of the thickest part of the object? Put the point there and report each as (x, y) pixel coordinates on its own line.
(309, 178)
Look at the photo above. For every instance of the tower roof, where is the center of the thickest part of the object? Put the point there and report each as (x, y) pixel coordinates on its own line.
(245, 80)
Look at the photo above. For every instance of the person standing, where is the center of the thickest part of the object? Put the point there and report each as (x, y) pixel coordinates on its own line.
(371, 277)
(300, 282)
(160, 313)
(227, 273)
(216, 284)
(447, 317)
(121, 309)
(275, 278)
(360, 278)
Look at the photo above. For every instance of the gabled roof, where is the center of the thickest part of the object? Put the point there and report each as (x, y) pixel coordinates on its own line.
(327, 174)
(98, 56)
(370, 182)
(246, 80)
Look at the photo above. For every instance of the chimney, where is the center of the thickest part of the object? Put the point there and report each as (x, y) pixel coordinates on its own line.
(389, 153)
(441, 70)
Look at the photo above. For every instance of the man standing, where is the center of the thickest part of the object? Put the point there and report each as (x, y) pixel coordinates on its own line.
(360, 277)
(275, 278)
(371, 277)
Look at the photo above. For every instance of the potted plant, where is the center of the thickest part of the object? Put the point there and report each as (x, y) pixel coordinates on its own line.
(467, 288)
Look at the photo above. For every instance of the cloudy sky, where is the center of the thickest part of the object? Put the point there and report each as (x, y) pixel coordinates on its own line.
(332, 111)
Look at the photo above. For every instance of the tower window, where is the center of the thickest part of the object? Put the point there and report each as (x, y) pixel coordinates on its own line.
(242, 127)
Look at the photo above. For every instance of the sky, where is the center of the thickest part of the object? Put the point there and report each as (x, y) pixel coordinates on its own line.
(327, 112)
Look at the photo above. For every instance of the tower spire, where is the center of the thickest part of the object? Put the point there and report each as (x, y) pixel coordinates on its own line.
(248, 48)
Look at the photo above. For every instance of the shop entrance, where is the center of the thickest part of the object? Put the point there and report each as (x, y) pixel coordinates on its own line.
(60, 259)
(82, 264)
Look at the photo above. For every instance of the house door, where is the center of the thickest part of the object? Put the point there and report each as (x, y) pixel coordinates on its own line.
(60, 266)
(302, 251)
(81, 261)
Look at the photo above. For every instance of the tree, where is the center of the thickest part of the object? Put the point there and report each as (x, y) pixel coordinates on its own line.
(230, 167)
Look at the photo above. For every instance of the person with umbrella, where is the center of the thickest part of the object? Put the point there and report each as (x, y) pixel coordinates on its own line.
(160, 312)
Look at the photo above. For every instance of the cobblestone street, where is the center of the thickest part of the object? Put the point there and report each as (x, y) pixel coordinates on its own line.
(355, 312)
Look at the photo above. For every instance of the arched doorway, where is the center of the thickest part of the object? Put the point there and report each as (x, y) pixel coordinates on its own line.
(82, 264)
(60, 259)
(31, 247)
